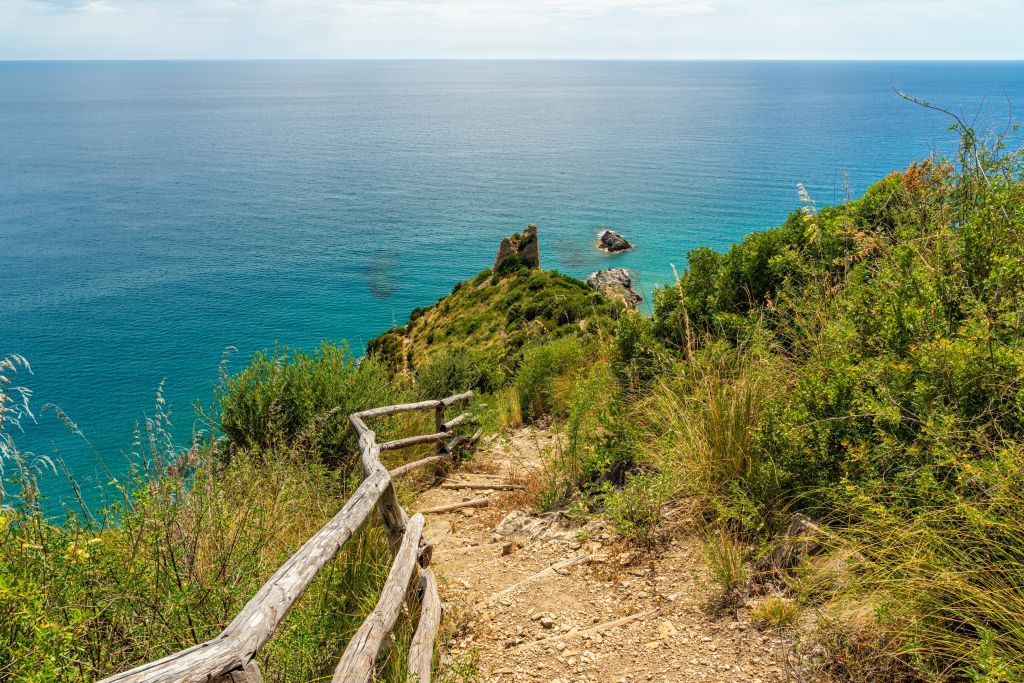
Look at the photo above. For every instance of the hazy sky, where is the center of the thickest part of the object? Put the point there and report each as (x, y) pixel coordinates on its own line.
(612, 29)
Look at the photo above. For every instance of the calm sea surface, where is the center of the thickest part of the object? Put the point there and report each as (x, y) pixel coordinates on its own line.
(153, 213)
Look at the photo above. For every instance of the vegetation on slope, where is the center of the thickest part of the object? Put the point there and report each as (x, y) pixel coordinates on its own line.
(197, 532)
(199, 529)
(862, 364)
(494, 316)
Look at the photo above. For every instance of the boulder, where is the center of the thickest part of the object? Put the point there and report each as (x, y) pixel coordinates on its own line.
(524, 245)
(616, 284)
(801, 539)
(521, 524)
(613, 242)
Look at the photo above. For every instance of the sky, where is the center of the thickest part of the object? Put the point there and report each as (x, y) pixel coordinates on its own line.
(512, 29)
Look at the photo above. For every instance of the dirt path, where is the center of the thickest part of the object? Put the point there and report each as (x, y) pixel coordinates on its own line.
(543, 599)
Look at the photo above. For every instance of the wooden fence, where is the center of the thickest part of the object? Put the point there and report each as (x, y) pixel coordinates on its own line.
(231, 656)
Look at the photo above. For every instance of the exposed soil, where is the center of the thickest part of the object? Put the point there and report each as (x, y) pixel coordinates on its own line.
(542, 598)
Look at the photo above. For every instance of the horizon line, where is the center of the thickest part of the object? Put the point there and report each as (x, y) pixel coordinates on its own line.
(516, 59)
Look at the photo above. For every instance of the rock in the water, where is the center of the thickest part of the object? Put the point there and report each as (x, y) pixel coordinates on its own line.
(615, 283)
(523, 245)
(613, 242)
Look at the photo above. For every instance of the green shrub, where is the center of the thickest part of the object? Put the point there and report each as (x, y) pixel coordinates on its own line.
(191, 539)
(512, 265)
(593, 453)
(388, 349)
(635, 509)
(457, 371)
(539, 371)
(885, 344)
(639, 354)
(282, 393)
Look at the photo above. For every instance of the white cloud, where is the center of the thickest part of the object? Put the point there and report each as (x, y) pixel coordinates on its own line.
(662, 8)
(99, 7)
(666, 29)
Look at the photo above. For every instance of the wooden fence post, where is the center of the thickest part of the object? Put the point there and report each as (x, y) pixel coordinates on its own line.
(439, 423)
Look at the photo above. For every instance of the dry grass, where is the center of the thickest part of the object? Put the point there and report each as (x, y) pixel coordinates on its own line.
(726, 559)
(775, 612)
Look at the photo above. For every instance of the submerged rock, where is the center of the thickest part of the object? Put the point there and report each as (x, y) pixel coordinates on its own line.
(615, 283)
(523, 245)
(613, 242)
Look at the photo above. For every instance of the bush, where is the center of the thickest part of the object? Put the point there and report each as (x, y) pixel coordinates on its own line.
(512, 265)
(388, 350)
(882, 388)
(635, 510)
(191, 540)
(281, 394)
(457, 371)
(640, 356)
(539, 371)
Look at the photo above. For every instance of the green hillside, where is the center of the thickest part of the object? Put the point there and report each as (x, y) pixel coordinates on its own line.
(495, 316)
(861, 364)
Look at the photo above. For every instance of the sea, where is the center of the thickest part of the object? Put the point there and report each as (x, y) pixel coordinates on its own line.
(155, 216)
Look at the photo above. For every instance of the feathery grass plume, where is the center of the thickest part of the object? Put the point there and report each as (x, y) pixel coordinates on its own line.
(15, 409)
(809, 211)
(509, 408)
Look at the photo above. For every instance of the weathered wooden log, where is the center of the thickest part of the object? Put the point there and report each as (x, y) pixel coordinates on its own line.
(439, 418)
(396, 409)
(250, 673)
(414, 441)
(421, 650)
(390, 509)
(444, 455)
(476, 485)
(453, 423)
(462, 398)
(358, 424)
(432, 404)
(459, 440)
(238, 644)
(410, 466)
(475, 503)
(453, 444)
(356, 665)
(229, 657)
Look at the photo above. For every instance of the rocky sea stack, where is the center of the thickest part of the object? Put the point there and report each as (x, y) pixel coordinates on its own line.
(617, 285)
(613, 242)
(522, 245)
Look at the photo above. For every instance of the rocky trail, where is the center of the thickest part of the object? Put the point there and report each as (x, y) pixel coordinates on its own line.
(542, 598)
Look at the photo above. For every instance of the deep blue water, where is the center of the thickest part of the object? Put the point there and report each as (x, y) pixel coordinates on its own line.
(153, 213)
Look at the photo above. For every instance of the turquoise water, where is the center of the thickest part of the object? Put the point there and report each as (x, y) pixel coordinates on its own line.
(153, 213)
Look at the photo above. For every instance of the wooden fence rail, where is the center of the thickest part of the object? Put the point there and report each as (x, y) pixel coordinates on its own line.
(231, 655)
